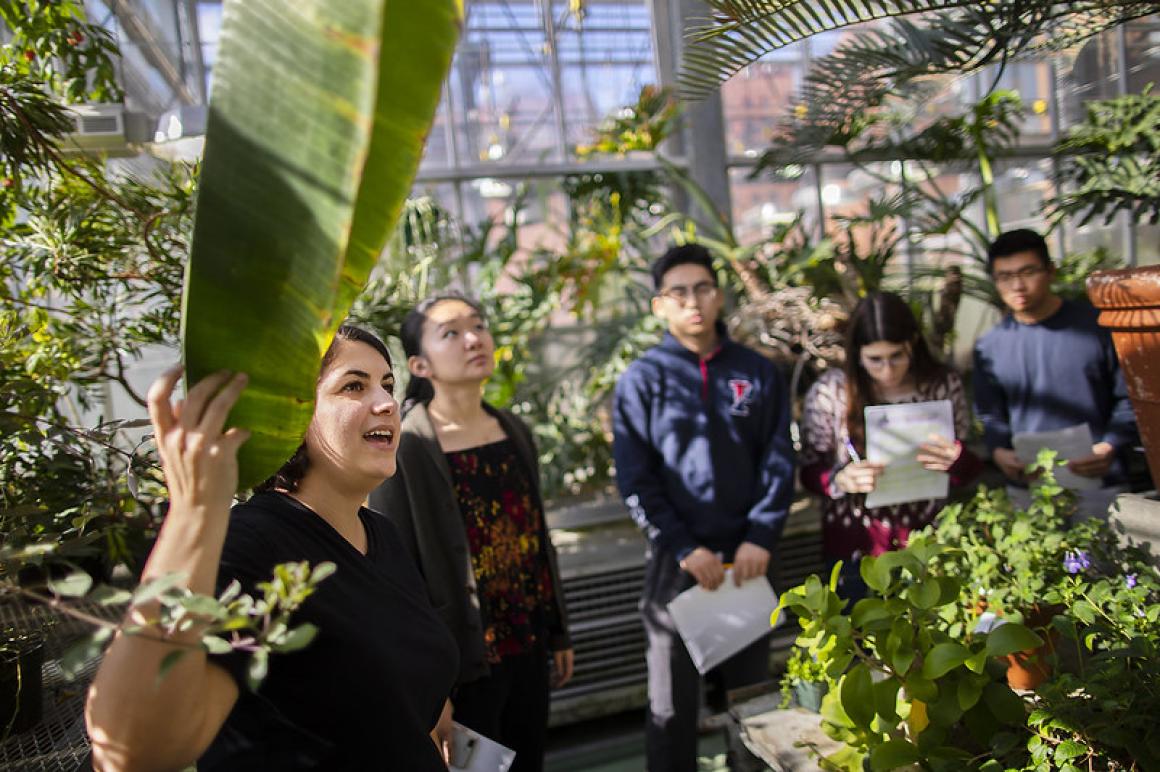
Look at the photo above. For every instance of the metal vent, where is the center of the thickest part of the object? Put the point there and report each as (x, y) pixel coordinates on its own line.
(98, 124)
(602, 568)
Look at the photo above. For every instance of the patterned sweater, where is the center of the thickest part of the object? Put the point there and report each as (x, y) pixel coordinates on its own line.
(849, 529)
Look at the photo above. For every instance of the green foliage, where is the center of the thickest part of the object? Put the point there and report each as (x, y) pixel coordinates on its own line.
(259, 624)
(1093, 596)
(910, 688)
(642, 126)
(293, 214)
(739, 32)
(90, 280)
(1007, 556)
(1111, 161)
(802, 668)
(1101, 713)
(54, 45)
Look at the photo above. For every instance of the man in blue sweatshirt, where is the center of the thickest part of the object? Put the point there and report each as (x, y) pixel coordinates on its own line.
(1047, 366)
(705, 465)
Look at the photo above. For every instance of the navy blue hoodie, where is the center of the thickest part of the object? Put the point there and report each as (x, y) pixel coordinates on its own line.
(702, 448)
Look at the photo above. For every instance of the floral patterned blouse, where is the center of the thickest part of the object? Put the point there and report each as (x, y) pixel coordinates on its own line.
(849, 529)
(505, 533)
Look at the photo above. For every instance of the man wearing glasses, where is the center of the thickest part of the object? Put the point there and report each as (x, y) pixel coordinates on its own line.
(1048, 366)
(705, 465)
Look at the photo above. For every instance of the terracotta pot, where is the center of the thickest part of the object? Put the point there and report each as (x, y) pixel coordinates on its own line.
(1129, 304)
(1029, 668)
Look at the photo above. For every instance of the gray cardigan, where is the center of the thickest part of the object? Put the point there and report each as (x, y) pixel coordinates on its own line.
(420, 500)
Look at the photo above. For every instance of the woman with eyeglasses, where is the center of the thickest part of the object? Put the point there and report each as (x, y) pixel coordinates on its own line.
(887, 362)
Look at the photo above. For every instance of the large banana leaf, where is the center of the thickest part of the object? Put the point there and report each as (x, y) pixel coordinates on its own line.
(740, 32)
(317, 121)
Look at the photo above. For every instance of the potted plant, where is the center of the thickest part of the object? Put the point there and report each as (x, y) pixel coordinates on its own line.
(21, 684)
(911, 688)
(1010, 560)
(805, 682)
(1101, 712)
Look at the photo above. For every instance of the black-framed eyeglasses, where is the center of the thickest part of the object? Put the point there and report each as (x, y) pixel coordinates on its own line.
(1025, 273)
(680, 294)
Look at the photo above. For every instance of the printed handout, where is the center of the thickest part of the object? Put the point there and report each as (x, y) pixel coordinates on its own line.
(717, 624)
(1072, 442)
(472, 752)
(893, 434)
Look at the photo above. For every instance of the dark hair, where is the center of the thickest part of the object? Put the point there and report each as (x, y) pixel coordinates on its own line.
(292, 472)
(1014, 242)
(881, 316)
(419, 389)
(684, 254)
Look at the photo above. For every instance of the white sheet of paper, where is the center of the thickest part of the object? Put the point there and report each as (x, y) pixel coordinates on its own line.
(893, 434)
(1072, 442)
(472, 752)
(716, 625)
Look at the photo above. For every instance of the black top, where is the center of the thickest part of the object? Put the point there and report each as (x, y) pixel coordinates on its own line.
(367, 691)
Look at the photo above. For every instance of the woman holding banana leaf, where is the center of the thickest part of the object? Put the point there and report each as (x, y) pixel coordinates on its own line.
(367, 691)
(467, 499)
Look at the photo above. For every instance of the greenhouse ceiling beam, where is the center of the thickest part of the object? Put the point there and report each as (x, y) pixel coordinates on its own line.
(140, 31)
(542, 170)
(701, 138)
(1037, 152)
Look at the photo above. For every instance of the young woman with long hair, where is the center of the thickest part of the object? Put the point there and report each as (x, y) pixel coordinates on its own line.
(467, 498)
(887, 362)
(367, 691)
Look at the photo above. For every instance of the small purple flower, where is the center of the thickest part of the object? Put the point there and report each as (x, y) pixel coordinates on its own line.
(1074, 562)
(1130, 580)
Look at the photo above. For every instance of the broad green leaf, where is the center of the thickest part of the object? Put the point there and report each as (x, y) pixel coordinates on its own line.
(1004, 704)
(857, 692)
(1068, 750)
(74, 585)
(944, 657)
(298, 638)
(925, 594)
(157, 587)
(970, 690)
(893, 754)
(869, 610)
(846, 759)
(1010, 638)
(216, 645)
(886, 700)
(317, 121)
(920, 688)
(875, 572)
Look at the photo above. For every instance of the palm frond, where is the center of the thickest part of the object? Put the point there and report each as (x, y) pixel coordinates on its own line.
(863, 96)
(740, 32)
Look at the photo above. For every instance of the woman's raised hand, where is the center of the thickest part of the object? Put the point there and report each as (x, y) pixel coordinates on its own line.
(200, 461)
(938, 453)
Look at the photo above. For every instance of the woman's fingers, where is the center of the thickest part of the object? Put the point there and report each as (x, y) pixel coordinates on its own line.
(199, 396)
(160, 410)
(220, 405)
(235, 438)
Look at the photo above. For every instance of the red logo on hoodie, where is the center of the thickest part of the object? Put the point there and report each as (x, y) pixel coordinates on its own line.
(740, 389)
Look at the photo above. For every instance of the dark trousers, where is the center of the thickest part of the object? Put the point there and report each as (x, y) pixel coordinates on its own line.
(674, 685)
(510, 706)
